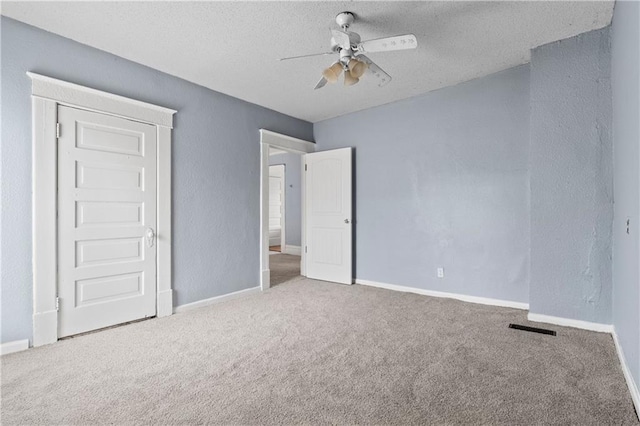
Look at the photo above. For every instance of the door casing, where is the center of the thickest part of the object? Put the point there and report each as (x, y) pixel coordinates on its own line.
(46, 95)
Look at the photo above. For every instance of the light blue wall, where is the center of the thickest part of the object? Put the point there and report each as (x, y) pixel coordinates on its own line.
(625, 82)
(292, 205)
(216, 167)
(448, 178)
(442, 180)
(571, 178)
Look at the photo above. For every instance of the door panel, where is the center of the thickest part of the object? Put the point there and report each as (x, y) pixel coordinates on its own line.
(111, 176)
(327, 246)
(328, 207)
(106, 205)
(105, 213)
(104, 289)
(101, 138)
(326, 179)
(111, 250)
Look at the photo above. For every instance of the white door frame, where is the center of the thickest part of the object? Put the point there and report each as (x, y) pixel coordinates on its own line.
(46, 94)
(283, 214)
(290, 144)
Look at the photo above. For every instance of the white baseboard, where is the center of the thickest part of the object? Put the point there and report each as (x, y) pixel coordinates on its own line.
(214, 300)
(433, 293)
(568, 322)
(15, 346)
(633, 387)
(294, 250)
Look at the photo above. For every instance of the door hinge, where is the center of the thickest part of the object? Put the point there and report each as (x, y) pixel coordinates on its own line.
(58, 130)
(305, 249)
(57, 303)
(305, 167)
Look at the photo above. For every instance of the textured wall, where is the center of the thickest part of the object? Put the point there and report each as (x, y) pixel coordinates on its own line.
(571, 178)
(216, 160)
(293, 197)
(625, 84)
(442, 180)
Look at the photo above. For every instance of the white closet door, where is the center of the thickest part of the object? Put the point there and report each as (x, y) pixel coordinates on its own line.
(276, 205)
(106, 220)
(328, 209)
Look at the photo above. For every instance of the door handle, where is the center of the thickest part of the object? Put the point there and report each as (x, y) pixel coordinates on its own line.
(346, 221)
(151, 237)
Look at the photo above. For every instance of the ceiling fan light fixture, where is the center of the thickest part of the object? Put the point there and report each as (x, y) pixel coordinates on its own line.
(349, 79)
(357, 68)
(332, 73)
(350, 49)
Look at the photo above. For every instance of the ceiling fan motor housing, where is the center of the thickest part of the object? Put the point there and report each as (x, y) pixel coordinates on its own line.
(345, 57)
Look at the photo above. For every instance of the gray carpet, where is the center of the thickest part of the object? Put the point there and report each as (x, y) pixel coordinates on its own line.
(317, 353)
(284, 267)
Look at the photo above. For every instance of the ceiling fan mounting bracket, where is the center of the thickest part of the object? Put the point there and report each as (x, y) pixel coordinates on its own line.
(345, 19)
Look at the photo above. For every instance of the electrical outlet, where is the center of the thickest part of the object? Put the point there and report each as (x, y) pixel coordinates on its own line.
(440, 272)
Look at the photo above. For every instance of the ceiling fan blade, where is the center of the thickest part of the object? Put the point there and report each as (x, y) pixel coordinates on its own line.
(307, 56)
(387, 44)
(382, 78)
(341, 38)
(321, 84)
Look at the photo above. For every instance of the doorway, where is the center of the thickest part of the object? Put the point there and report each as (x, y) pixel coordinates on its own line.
(326, 231)
(285, 215)
(275, 149)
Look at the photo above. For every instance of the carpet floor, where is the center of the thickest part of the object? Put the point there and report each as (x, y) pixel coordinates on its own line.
(284, 267)
(321, 353)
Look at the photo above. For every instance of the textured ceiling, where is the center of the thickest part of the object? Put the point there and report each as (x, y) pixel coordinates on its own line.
(233, 47)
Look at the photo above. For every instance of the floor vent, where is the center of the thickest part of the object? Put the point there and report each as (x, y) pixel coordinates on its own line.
(532, 329)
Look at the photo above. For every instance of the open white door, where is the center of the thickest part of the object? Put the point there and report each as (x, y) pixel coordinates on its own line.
(328, 210)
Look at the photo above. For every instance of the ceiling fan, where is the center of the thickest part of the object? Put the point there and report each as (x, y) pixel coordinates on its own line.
(351, 51)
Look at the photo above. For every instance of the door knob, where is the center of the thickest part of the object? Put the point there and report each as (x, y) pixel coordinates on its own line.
(346, 221)
(151, 236)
